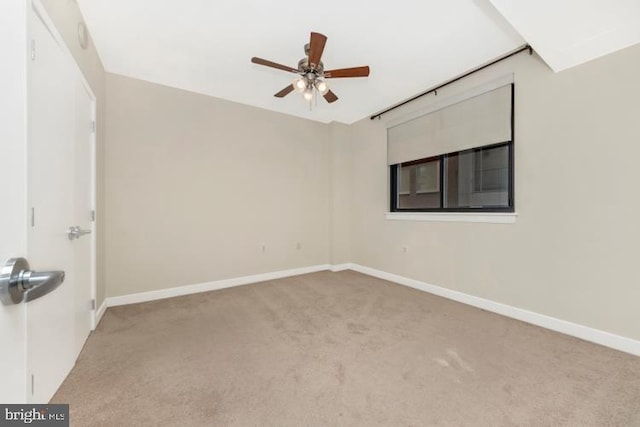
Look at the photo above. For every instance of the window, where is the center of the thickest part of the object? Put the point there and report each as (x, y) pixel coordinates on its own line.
(479, 179)
(456, 155)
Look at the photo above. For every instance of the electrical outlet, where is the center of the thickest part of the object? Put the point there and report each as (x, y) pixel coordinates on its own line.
(404, 249)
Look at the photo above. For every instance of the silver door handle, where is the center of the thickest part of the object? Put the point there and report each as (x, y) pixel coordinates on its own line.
(76, 232)
(16, 281)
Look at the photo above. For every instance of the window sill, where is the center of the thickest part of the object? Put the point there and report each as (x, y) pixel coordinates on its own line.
(490, 217)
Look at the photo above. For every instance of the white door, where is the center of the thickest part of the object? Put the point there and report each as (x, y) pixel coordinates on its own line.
(59, 194)
(13, 205)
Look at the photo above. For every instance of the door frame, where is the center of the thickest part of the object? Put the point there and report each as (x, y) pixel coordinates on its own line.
(40, 12)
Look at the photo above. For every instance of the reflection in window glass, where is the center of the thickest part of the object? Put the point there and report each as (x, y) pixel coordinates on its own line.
(477, 178)
(419, 185)
(428, 177)
(404, 177)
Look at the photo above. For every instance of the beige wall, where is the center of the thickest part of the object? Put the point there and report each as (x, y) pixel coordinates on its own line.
(341, 159)
(196, 185)
(65, 15)
(573, 252)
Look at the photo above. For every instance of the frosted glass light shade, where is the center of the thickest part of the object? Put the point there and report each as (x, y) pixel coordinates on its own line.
(322, 87)
(299, 84)
(308, 94)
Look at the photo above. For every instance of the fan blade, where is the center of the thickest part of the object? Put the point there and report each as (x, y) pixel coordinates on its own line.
(330, 97)
(284, 92)
(347, 72)
(266, 63)
(316, 46)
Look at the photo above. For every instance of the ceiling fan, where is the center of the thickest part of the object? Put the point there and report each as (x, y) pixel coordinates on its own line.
(312, 73)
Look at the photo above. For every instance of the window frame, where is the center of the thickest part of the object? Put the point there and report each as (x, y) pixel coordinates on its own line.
(393, 171)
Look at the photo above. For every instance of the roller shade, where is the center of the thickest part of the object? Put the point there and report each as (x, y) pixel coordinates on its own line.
(480, 120)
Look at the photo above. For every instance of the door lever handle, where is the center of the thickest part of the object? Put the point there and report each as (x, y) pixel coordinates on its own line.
(16, 281)
(76, 232)
(40, 283)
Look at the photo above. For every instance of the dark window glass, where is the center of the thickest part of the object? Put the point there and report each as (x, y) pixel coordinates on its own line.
(480, 179)
(477, 178)
(419, 184)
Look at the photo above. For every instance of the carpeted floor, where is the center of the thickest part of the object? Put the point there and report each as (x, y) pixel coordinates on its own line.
(344, 349)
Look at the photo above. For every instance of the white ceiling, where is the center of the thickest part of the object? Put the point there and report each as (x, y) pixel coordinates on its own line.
(205, 46)
(566, 33)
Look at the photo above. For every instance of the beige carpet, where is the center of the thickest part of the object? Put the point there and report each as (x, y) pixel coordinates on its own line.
(344, 349)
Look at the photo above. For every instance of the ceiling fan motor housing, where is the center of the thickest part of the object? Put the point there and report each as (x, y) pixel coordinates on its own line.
(303, 67)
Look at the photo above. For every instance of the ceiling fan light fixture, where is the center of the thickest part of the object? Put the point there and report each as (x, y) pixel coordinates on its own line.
(299, 84)
(308, 94)
(322, 86)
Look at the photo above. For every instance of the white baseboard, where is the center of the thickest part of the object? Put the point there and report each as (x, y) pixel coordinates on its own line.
(341, 267)
(586, 333)
(100, 313)
(210, 286)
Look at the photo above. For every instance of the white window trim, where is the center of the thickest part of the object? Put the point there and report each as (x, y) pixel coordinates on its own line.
(489, 217)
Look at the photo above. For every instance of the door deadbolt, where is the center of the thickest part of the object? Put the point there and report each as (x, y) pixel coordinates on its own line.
(16, 281)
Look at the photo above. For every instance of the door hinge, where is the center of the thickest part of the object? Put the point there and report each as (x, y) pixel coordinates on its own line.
(33, 217)
(32, 384)
(92, 126)
(93, 304)
(92, 216)
(33, 50)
